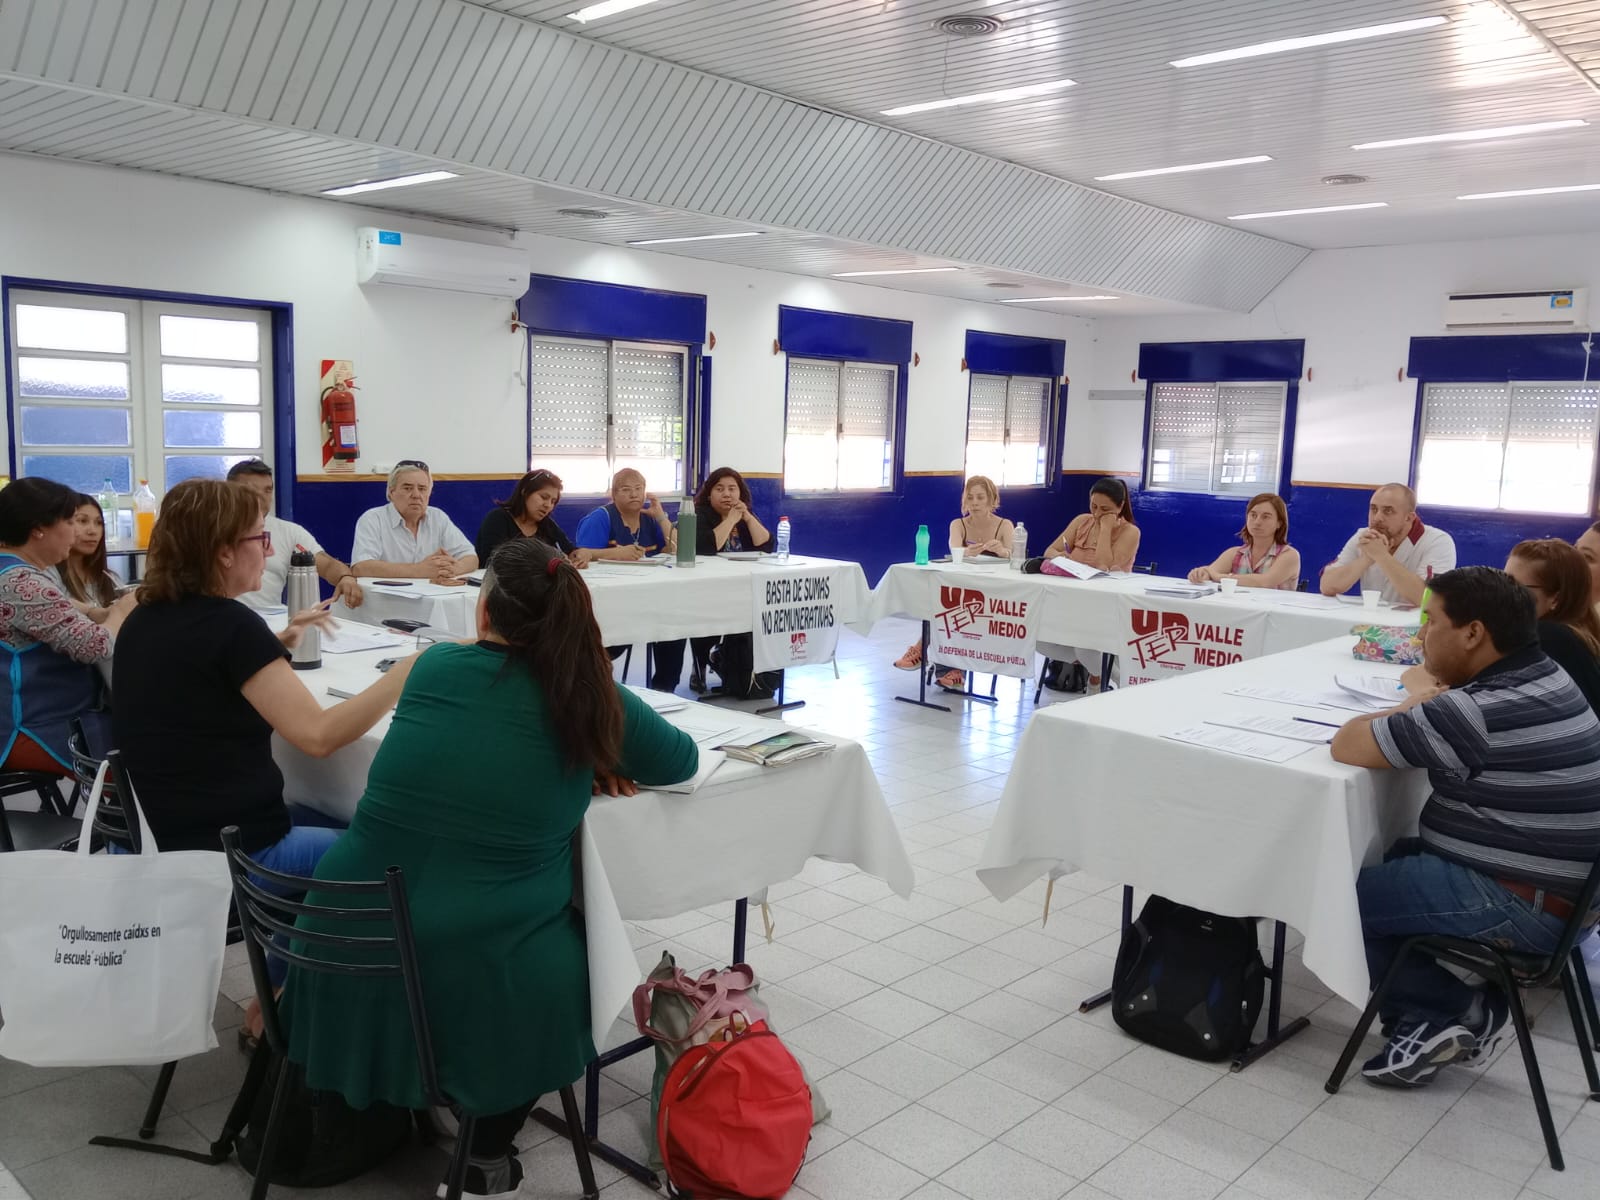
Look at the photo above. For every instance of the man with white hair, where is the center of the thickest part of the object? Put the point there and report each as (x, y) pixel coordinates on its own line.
(1395, 554)
(405, 539)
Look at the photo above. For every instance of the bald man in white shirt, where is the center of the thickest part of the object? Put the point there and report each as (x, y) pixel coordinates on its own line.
(1396, 553)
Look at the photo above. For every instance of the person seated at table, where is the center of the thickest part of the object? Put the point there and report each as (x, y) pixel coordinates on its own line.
(1511, 829)
(723, 524)
(978, 532)
(526, 513)
(1105, 537)
(1265, 560)
(48, 648)
(1589, 546)
(1558, 579)
(1395, 554)
(83, 574)
(202, 685)
(634, 526)
(488, 861)
(405, 539)
(255, 476)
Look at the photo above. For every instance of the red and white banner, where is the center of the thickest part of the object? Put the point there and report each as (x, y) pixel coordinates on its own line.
(990, 624)
(794, 620)
(1163, 639)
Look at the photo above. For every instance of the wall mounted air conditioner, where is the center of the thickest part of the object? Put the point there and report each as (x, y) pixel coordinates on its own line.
(410, 260)
(1508, 310)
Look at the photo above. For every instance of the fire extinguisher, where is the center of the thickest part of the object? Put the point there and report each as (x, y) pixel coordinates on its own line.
(339, 419)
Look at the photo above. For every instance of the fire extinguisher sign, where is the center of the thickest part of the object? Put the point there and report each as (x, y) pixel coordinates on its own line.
(337, 406)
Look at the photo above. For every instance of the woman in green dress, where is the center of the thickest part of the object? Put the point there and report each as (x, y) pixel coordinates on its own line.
(476, 792)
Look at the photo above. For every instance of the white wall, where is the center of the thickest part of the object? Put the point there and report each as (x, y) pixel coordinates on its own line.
(1357, 311)
(438, 373)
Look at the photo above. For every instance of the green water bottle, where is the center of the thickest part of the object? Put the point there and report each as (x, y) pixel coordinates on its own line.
(922, 546)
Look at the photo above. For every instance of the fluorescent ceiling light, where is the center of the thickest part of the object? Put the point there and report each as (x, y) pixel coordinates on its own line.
(1472, 135)
(1302, 212)
(701, 237)
(378, 185)
(999, 97)
(903, 271)
(608, 9)
(1316, 39)
(1549, 191)
(1201, 166)
(1051, 299)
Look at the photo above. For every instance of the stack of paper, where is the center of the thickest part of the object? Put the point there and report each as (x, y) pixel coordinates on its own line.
(1373, 692)
(1244, 743)
(1077, 570)
(662, 702)
(1177, 587)
(347, 637)
(1296, 729)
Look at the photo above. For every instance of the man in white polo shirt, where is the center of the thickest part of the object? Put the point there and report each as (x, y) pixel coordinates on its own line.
(255, 476)
(1396, 553)
(405, 539)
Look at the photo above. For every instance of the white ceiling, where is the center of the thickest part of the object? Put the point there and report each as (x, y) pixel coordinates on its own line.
(303, 95)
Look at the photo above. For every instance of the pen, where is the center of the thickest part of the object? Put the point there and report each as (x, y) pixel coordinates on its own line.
(1325, 724)
(390, 583)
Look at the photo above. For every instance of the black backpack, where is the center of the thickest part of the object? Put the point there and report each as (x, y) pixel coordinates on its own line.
(1189, 981)
(734, 661)
(321, 1139)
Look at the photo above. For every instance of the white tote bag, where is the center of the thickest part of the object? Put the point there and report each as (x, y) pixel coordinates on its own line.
(110, 959)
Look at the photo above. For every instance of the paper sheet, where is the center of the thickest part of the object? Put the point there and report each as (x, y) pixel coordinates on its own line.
(1191, 590)
(1377, 692)
(710, 760)
(1077, 570)
(1291, 696)
(1240, 742)
(1312, 600)
(662, 702)
(1296, 729)
(347, 637)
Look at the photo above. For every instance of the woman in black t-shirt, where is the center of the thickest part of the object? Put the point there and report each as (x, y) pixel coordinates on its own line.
(201, 685)
(1558, 578)
(527, 514)
(724, 524)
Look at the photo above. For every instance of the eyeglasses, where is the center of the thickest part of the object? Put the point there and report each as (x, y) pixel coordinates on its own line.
(264, 537)
(413, 462)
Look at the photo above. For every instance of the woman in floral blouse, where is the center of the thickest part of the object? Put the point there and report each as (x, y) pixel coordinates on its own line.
(48, 649)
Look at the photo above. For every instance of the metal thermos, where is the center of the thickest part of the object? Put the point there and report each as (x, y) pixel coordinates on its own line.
(303, 594)
(686, 534)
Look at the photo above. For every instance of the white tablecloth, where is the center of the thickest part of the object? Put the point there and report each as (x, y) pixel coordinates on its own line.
(1096, 787)
(1089, 612)
(632, 603)
(660, 854)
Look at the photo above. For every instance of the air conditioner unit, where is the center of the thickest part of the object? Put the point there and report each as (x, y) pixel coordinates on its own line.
(1508, 310)
(410, 260)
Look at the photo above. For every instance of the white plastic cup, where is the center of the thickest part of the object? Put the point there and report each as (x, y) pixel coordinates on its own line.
(956, 554)
(1228, 586)
(1370, 598)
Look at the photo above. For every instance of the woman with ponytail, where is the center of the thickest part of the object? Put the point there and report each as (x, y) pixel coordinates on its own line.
(477, 790)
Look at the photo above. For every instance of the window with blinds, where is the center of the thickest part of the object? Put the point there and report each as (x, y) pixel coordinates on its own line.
(1008, 428)
(1518, 447)
(1220, 439)
(838, 426)
(121, 389)
(596, 408)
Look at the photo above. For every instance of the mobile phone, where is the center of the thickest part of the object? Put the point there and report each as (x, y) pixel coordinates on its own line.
(405, 624)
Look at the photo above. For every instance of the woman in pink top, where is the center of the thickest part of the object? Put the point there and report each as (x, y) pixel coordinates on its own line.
(1265, 560)
(1104, 537)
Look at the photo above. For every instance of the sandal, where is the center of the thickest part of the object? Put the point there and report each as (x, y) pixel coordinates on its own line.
(911, 659)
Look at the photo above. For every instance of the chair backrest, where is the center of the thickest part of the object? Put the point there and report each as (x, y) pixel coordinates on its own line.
(268, 922)
(111, 821)
(1574, 930)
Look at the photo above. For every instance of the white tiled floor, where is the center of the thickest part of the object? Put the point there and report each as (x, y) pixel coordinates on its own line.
(944, 1033)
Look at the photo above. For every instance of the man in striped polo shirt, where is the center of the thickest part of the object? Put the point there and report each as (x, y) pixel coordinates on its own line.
(1512, 828)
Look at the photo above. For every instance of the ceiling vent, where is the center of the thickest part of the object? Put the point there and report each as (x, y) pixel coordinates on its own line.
(1343, 180)
(968, 25)
(583, 214)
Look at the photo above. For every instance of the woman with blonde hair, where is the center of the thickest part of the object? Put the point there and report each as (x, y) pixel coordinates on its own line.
(1264, 559)
(979, 532)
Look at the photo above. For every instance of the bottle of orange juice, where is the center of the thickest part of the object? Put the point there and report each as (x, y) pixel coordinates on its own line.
(144, 514)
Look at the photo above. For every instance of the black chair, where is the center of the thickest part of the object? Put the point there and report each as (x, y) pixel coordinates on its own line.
(263, 915)
(1514, 973)
(113, 825)
(42, 830)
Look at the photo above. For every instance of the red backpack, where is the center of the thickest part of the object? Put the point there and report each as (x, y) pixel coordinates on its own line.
(735, 1117)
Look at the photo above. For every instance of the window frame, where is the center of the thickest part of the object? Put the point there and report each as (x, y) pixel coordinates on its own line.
(689, 406)
(1051, 433)
(146, 404)
(894, 423)
(1419, 431)
(1285, 441)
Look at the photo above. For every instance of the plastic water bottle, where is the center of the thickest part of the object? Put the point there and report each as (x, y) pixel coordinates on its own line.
(783, 539)
(1019, 547)
(922, 546)
(144, 514)
(109, 511)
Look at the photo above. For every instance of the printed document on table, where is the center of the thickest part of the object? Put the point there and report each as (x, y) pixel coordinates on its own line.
(1302, 699)
(1240, 742)
(662, 702)
(349, 636)
(1376, 691)
(1077, 570)
(1284, 727)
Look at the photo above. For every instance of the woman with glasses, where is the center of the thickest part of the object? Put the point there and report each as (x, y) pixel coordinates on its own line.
(202, 685)
(527, 513)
